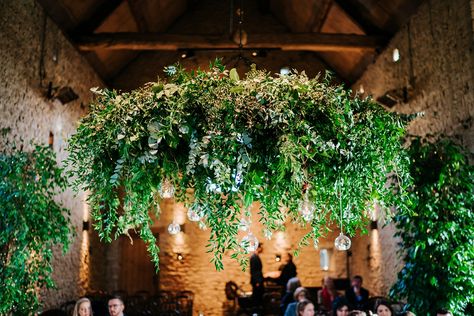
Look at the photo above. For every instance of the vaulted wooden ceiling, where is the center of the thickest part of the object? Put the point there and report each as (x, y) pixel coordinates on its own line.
(128, 42)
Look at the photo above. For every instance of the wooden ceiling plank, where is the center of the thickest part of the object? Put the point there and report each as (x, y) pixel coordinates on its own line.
(58, 13)
(319, 14)
(137, 13)
(101, 12)
(361, 16)
(284, 41)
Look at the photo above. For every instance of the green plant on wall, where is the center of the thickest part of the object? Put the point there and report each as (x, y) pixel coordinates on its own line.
(437, 238)
(31, 223)
(298, 146)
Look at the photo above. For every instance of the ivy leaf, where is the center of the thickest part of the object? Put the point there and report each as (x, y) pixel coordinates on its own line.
(234, 75)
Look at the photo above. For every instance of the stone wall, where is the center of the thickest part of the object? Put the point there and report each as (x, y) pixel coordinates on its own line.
(437, 67)
(31, 117)
(196, 273)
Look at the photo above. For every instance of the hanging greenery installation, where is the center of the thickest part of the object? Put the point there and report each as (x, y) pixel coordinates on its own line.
(305, 150)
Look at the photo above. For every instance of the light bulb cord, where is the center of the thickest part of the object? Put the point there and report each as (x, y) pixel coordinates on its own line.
(340, 203)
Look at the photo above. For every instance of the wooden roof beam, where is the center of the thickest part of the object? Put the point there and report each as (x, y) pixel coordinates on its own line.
(285, 41)
(361, 16)
(101, 12)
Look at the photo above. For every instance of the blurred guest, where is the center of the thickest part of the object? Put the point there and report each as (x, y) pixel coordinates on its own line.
(288, 298)
(256, 276)
(305, 308)
(383, 308)
(288, 271)
(328, 294)
(443, 312)
(341, 307)
(116, 306)
(356, 294)
(300, 294)
(82, 307)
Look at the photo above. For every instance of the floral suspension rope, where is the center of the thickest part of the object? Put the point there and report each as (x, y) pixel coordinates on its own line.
(298, 146)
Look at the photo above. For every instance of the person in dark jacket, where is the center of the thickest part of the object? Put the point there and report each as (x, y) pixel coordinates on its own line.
(256, 277)
(287, 272)
(357, 296)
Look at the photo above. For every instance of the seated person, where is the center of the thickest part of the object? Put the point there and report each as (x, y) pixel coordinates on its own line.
(341, 307)
(288, 298)
(443, 312)
(300, 294)
(383, 308)
(83, 307)
(116, 306)
(357, 296)
(328, 294)
(305, 308)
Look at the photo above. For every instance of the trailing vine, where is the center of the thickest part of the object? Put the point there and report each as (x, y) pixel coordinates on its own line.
(437, 237)
(224, 143)
(31, 223)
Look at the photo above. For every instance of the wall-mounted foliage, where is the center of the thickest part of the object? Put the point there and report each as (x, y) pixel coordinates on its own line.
(225, 142)
(31, 223)
(438, 236)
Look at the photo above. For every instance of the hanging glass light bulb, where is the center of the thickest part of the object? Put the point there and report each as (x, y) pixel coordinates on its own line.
(244, 224)
(267, 233)
(307, 208)
(202, 225)
(174, 228)
(194, 213)
(316, 244)
(157, 209)
(308, 217)
(249, 243)
(342, 242)
(166, 189)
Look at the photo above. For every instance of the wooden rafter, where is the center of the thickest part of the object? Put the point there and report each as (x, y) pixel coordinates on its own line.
(138, 16)
(101, 12)
(319, 14)
(361, 16)
(286, 41)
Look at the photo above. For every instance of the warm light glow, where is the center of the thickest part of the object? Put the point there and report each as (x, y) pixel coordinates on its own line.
(281, 241)
(396, 55)
(179, 213)
(84, 271)
(324, 259)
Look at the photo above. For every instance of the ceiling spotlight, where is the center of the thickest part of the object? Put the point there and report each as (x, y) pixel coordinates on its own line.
(254, 53)
(278, 258)
(184, 54)
(180, 257)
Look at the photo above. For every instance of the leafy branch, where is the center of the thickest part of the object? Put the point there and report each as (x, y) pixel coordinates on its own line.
(233, 142)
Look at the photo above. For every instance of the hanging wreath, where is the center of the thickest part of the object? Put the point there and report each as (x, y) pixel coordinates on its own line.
(299, 146)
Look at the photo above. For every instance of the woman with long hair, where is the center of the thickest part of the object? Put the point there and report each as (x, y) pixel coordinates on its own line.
(83, 307)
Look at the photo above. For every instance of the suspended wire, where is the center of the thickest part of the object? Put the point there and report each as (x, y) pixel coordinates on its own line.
(42, 71)
(340, 203)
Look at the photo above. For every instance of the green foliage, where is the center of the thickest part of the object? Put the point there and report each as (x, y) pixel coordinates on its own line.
(437, 238)
(31, 223)
(226, 142)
